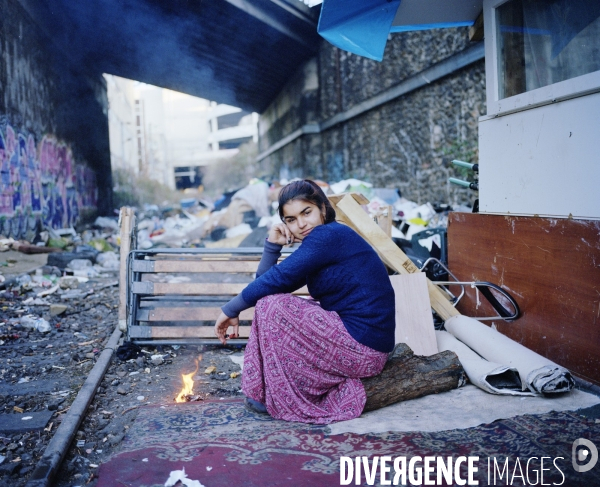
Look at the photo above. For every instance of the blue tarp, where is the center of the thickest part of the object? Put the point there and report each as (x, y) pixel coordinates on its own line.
(363, 26)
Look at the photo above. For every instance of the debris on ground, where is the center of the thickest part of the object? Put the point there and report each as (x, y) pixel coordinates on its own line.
(48, 347)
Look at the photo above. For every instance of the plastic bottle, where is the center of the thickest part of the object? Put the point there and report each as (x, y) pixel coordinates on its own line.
(39, 324)
(79, 264)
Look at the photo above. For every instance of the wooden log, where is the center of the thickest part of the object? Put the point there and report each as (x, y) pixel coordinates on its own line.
(408, 376)
(389, 252)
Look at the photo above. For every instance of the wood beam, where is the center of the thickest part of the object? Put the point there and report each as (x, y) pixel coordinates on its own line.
(476, 32)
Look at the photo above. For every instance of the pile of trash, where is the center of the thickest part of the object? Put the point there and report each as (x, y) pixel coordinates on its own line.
(239, 218)
(72, 258)
(243, 217)
(223, 223)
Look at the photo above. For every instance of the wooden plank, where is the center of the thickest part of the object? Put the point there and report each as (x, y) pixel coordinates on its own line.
(414, 322)
(390, 253)
(203, 257)
(187, 314)
(127, 224)
(193, 288)
(476, 31)
(187, 288)
(550, 266)
(358, 197)
(384, 219)
(226, 266)
(340, 216)
(180, 332)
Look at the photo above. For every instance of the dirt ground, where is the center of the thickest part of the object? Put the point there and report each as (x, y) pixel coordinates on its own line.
(43, 372)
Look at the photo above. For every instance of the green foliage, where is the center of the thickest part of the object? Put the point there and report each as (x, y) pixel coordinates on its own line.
(463, 150)
(235, 172)
(134, 190)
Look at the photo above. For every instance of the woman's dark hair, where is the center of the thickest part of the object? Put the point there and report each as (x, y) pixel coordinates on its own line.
(306, 190)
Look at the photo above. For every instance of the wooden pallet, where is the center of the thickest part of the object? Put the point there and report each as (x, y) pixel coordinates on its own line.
(175, 295)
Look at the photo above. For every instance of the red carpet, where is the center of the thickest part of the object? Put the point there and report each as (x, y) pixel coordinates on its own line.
(219, 443)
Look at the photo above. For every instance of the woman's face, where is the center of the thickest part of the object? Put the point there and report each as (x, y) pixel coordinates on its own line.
(301, 217)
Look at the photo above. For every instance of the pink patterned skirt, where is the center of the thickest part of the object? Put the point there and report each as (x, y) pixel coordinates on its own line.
(302, 363)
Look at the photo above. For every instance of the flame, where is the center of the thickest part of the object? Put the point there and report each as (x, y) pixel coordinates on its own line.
(188, 384)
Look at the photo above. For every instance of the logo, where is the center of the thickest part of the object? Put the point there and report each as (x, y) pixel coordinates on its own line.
(584, 451)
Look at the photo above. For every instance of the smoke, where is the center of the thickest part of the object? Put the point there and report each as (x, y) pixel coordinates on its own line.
(204, 48)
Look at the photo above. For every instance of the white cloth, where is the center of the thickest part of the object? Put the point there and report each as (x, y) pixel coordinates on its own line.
(257, 196)
(462, 408)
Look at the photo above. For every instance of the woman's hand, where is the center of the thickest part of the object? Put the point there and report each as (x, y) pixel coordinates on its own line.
(280, 234)
(223, 323)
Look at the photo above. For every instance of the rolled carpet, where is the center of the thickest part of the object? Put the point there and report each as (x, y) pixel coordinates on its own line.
(489, 376)
(537, 373)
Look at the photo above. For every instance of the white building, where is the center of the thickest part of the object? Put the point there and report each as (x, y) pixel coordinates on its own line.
(121, 123)
(174, 135)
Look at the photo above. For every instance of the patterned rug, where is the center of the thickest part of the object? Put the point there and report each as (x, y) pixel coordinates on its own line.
(220, 443)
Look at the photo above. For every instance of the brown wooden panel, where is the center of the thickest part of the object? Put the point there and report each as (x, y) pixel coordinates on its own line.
(551, 267)
(193, 288)
(194, 266)
(192, 257)
(360, 198)
(187, 314)
(180, 332)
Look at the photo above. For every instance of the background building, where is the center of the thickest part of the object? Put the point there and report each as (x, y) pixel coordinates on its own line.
(170, 136)
(121, 123)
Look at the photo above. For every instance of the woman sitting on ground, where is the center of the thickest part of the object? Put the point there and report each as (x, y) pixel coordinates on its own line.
(305, 358)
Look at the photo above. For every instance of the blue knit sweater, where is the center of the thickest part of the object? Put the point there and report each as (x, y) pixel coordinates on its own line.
(342, 272)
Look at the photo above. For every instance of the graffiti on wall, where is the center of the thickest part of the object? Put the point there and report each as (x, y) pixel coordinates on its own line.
(41, 182)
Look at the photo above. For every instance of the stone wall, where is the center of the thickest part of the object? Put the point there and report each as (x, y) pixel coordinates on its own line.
(406, 143)
(54, 155)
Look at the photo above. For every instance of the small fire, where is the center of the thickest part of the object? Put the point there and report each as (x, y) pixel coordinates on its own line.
(188, 384)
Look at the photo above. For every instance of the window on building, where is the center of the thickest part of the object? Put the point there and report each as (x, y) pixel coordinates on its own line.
(540, 43)
(230, 120)
(233, 143)
(188, 177)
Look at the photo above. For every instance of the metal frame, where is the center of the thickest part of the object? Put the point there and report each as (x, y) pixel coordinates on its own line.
(133, 300)
(473, 284)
